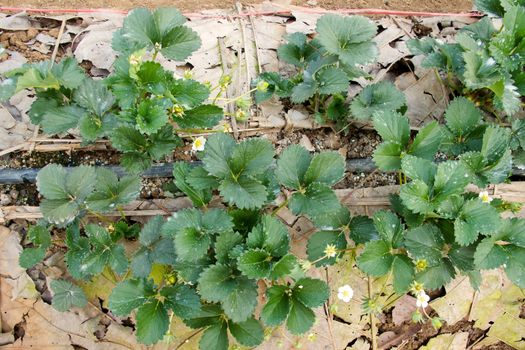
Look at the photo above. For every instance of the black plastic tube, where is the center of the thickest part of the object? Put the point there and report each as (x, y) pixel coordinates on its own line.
(28, 175)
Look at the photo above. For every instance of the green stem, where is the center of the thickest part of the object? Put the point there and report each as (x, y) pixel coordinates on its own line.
(282, 205)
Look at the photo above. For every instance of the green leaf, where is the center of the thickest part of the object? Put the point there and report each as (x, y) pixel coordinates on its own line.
(495, 143)
(318, 200)
(61, 119)
(348, 37)
(163, 142)
(415, 197)
(29, 257)
(271, 235)
(216, 283)
(277, 308)
(240, 304)
(382, 97)
(209, 314)
(462, 116)
(127, 139)
(425, 242)
(67, 295)
(248, 333)
(463, 257)
(451, 178)
(8, 89)
(392, 127)
(129, 295)
(490, 255)
(245, 193)
(419, 169)
(201, 180)
(252, 156)
(215, 337)
(191, 244)
(475, 217)
(427, 141)
(300, 319)
(403, 273)
(94, 96)
(111, 192)
(218, 149)
(515, 268)
(435, 277)
(151, 116)
(303, 91)
(68, 73)
(387, 156)
(181, 173)
(255, 263)
(182, 300)
(292, 165)
(376, 258)
(201, 117)
(41, 239)
(492, 7)
(152, 322)
(297, 51)
(389, 227)
(189, 93)
(327, 168)
(362, 229)
(162, 27)
(310, 292)
(276, 85)
(283, 267)
(331, 80)
(317, 245)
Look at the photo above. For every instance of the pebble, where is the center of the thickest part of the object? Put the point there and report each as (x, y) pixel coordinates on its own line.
(5, 199)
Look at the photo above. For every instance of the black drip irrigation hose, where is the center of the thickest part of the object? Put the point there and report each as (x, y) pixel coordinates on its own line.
(28, 175)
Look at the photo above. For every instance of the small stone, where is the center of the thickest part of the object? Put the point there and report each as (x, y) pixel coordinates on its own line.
(14, 194)
(306, 143)
(5, 199)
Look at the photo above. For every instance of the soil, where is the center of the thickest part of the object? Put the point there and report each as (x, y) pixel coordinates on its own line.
(193, 6)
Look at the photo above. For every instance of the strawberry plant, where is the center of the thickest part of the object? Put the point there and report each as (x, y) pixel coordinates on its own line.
(486, 63)
(140, 107)
(214, 260)
(324, 67)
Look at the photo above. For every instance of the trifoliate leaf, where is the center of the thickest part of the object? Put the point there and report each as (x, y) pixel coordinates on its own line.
(427, 141)
(376, 258)
(326, 168)
(403, 273)
(276, 85)
(481, 71)
(41, 239)
(300, 319)
(67, 295)
(415, 197)
(152, 322)
(201, 117)
(103, 252)
(129, 295)
(380, 97)
(319, 241)
(248, 333)
(425, 242)
(310, 292)
(348, 37)
(161, 29)
(245, 192)
(163, 142)
(68, 73)
(297, 51)
(181, 173)
(387, 156)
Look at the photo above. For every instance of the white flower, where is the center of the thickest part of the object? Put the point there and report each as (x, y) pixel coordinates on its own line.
(484, 196)
(345, 293)
(422, 299)
(198, 144)
(330, 251)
